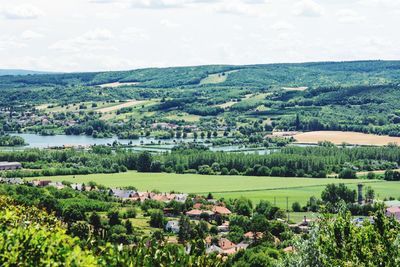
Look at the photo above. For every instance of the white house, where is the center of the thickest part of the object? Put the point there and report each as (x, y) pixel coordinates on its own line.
(172, 226)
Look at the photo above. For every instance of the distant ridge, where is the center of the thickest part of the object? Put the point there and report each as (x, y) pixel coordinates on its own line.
(4, 72)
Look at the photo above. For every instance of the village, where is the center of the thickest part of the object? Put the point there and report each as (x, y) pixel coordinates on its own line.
(207, 209)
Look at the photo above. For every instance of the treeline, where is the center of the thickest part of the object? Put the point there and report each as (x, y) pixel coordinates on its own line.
(288, 162)
(9, 140)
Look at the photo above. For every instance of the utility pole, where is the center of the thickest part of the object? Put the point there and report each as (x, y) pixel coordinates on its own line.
(287, 208)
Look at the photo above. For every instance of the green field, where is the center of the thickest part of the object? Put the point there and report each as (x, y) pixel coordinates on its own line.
(274, 189)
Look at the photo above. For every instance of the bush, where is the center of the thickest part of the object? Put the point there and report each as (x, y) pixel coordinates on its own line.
(296, 207)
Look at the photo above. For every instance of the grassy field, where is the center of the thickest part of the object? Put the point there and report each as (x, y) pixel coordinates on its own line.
(274, 189)
(338, 138)
(184, 116)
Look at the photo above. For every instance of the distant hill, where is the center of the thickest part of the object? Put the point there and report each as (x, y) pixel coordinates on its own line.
(4, 72)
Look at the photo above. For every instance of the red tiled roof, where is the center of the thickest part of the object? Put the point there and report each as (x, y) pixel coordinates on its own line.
(221, 210)
(250, 235)
(225, 244)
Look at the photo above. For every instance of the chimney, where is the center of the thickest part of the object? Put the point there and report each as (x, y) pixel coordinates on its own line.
(360, 193)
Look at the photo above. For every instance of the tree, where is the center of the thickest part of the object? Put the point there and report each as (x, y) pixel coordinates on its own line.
(113, 217)
(369, 194)
(340, 242)
(258, 223)
(95, 221)
(185, 229)
(371, 176)
(296, 207)
(80, 229)
(235, 234)
(348, 174)
(334, 193)
(243, 206)
(157, 219)
(73, 213)
(129, 227)
(144, 162)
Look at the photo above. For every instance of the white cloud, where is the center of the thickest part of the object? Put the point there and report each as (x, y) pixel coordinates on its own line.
(92, 40)
(169, 24)
(21, 12)
(349, 16)
(156, 4)
(30, 35)
(282, 26)
(98, 35)
(236, 8)
(133, 34)
(8, 42)
(308, 8)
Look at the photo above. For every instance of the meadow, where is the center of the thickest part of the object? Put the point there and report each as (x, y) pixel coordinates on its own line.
(273, 189)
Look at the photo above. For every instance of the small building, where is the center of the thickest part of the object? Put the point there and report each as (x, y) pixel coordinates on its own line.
(123, 193)
(172, 226)
(196, 214)
(5, 165)
(393, 212)
(220, 210)
(181, 197)
(251, 236)
(41, 183)
(223, 227)
(57, 185)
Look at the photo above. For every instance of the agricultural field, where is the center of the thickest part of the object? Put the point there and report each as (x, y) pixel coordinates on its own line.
(126, 104)
(117, 84)
(338, 138)
(254, 188)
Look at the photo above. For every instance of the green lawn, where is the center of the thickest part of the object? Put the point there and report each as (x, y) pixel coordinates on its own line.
(274, 189)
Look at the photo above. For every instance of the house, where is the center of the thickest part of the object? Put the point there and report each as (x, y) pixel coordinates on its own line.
(220, 210)
(172, 226)
(214, 249)
(164, 197)
(57, 185)
(123, 193)
(302, 226)
(81, 187)
(41, 183)
(181, 197)
(5, 165)
(253, 236)
(223, 246)
(393, 212)
(163, 125)
(223, 227)
(197, 206)
(11, 180)
(196, 214)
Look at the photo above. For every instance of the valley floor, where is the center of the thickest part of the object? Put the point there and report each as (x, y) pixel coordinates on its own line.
(273, 189)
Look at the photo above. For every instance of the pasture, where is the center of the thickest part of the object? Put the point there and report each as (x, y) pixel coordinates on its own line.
(338, 138)
(274, 189)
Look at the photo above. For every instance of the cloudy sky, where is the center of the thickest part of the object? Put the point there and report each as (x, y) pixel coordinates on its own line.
(92, 35)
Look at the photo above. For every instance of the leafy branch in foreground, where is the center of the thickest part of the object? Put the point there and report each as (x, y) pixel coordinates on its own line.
(31, 237)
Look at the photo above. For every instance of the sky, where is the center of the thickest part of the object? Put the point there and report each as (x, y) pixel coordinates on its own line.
(94, 35)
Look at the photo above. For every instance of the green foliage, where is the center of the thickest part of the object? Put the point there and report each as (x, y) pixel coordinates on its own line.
(337, 241)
